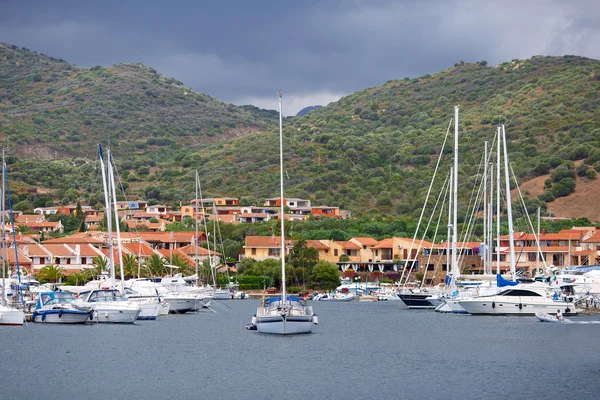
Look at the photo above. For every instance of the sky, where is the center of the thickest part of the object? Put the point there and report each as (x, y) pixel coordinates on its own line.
(244, 51)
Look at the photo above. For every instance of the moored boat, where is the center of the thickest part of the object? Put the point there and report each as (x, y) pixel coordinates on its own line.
(60, 308)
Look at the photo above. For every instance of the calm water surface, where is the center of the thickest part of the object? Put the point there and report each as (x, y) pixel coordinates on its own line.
(359, 350)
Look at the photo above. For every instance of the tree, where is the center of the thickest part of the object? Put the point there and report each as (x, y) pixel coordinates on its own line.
(130, 265)
(180, 261)
(326, 275)
(77, 278)
(101, 265)
(155, 265)
(51, 273)
(302, 256)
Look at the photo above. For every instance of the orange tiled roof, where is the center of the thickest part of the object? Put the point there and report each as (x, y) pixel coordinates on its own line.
(585, 252)
(59, 250)
(317, 244)
(169, 253)
(366, 241)
(190, 250)
(34, 250)
(266, 241)
(348, 245)
(459, 245)
(138, 249)
(594, 239)
(73, 239)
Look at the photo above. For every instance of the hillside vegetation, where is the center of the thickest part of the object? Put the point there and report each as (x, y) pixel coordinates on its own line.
(372, 152)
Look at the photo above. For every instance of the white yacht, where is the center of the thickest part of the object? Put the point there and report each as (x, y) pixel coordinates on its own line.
(517, 301)
(109, 306)
(11, 316)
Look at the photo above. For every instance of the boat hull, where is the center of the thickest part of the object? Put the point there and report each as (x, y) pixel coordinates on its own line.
(121, 316)
(416, 300)
(285, 324)
(180, 305)
(12, 317)
(149, 312)
(514, 307)
(61, 317)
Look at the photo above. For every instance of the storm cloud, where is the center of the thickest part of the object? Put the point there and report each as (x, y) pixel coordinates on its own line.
(244, 51)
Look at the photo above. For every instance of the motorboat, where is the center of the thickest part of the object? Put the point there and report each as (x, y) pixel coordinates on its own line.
(149, 306)
(110, 306)
(337, 297)
(60, 308)
(416, 299)
(518, 300)
(11, 316)
(290, 317)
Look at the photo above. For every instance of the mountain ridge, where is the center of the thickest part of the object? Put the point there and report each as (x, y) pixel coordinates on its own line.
(371, 152)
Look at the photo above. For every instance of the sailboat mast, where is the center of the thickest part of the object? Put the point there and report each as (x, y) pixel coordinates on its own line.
(537, 257)
(485, 206)
(498, 204)
(509, 209)
(111, 174)
(108, 219)
(491, 220)
(455, 268)
(3, 224)
(283, 294)
(448, 239)
(197, 239)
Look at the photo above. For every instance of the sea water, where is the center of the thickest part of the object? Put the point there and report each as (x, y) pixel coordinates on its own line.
(360, 350)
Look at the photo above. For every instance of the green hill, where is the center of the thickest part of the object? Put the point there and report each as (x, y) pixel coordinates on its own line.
(372, 151)
(49, 107)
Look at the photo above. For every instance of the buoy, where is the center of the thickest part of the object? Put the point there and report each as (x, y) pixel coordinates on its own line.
(493, 304)
(520, 306)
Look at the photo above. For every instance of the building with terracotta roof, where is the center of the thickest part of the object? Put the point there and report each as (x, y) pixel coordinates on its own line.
(263, 247)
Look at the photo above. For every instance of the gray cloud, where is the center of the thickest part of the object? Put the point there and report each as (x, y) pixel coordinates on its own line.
(245, 51)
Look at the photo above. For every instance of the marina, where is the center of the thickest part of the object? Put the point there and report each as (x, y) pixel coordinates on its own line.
(361, 349)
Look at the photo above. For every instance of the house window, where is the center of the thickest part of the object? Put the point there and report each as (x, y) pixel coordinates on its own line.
(83, 260)
(531, 256)
(326, 251)
(274, 252)
(335, 252)
(253, 252)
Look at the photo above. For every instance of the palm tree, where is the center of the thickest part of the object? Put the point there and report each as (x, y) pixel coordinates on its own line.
(51, 273)
(155, 265)
(180, 261)
(130, 265)
(101, 265)
(77, 278)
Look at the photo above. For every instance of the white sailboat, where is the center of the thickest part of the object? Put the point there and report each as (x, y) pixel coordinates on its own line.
(8, 315)
(110, 305)
(283, 315)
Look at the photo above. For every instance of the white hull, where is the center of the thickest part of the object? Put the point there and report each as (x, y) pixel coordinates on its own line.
(287, 325)
(180, 305)
(222, 294)
(149, 311)
(163, 308)
(450, 306)
(65, 318)
(490, 306)
(11, 316)
(113, 315)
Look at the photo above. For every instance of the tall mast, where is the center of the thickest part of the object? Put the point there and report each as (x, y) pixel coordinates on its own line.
(455, 268)
(509, 209)
(14, 233)
(498, 205)
(485, 214)
(537, 257)
(111, 174)
(3, 224)
(448, 240)
(197, 240)
(108, 219)
(491, 220)
(283, 294)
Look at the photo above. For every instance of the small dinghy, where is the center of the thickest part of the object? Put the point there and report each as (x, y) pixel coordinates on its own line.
(550, 318)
